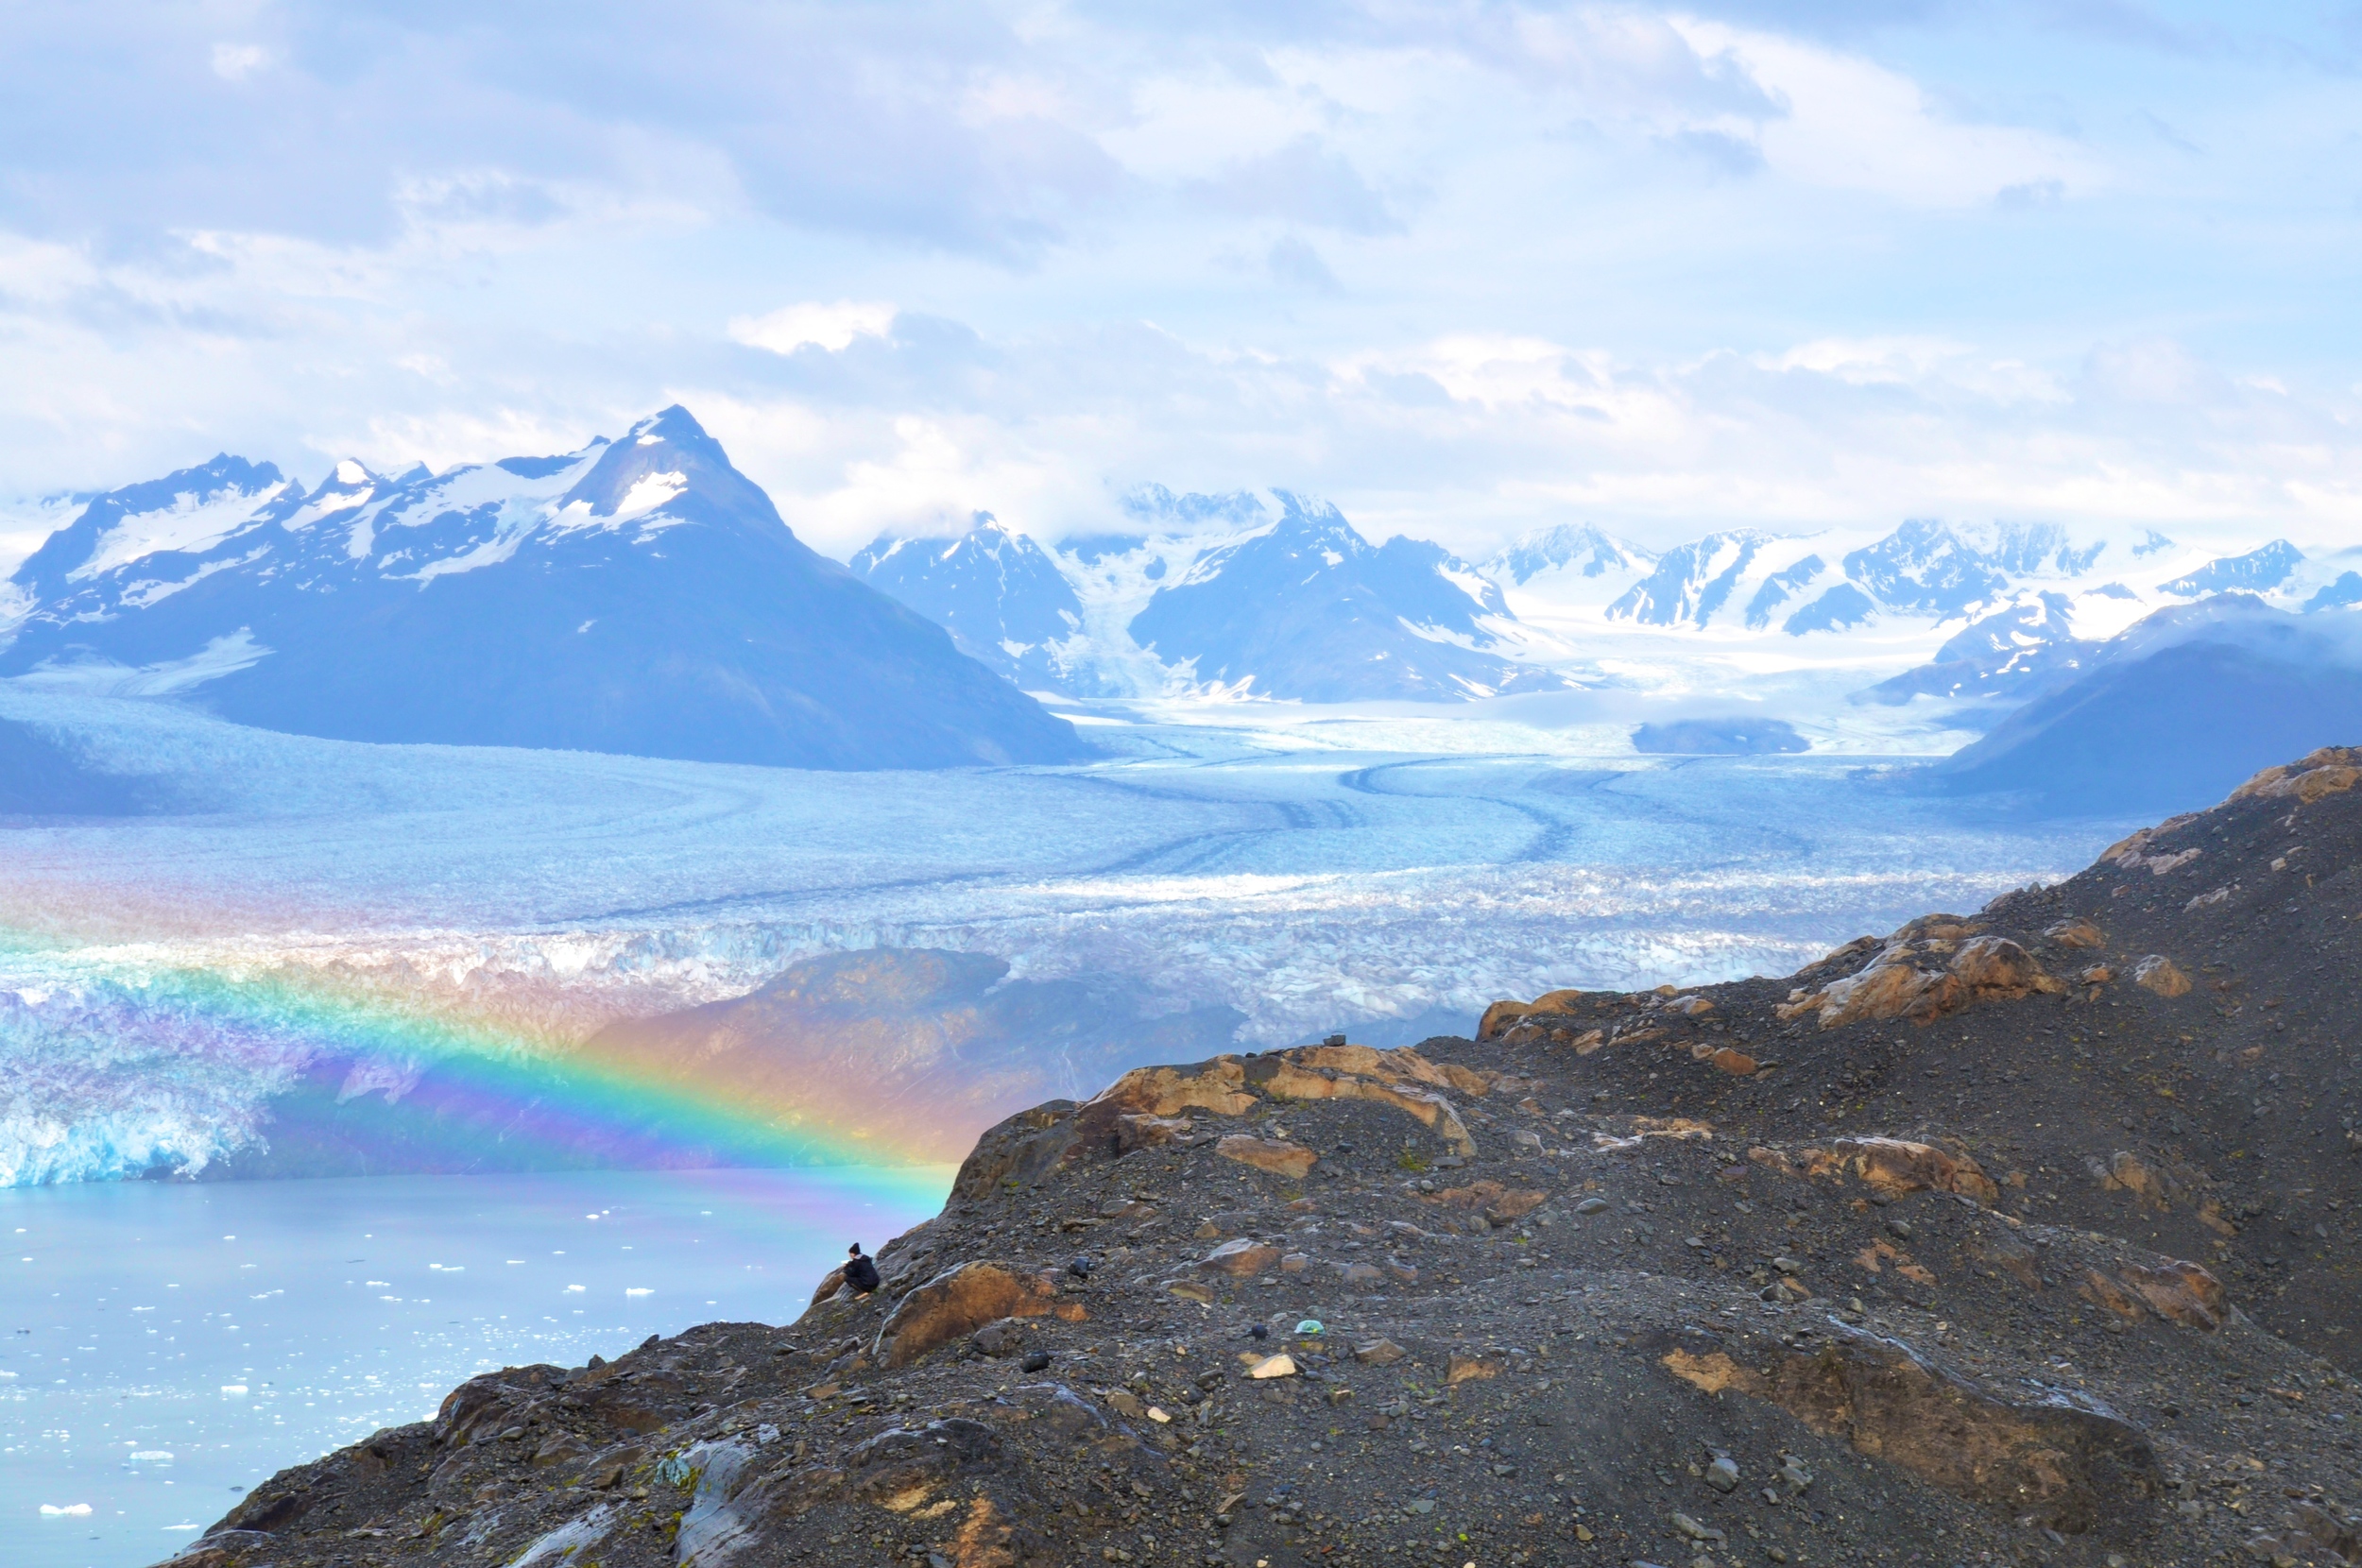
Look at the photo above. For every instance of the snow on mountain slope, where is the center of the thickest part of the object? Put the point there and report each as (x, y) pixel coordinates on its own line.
(1193, 598)
(1573, 550)
(1308, 608)
(1004, 600)
(640, 596)
(1960, 610)
(1222, 595)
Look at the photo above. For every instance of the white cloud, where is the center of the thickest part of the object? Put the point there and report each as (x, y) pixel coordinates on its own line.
(830, 327)
(237, 61)
(1464, 268)
(1511, 432)
(1848, 122)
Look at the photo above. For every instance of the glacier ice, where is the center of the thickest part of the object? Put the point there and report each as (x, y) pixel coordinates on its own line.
(161, 976)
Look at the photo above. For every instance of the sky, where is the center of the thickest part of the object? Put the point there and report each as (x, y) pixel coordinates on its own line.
(1467, 269)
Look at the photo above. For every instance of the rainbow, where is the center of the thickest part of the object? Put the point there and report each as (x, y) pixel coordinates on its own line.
(165, 1068)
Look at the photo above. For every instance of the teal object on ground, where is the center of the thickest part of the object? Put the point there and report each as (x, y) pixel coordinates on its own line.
(1309, 1325)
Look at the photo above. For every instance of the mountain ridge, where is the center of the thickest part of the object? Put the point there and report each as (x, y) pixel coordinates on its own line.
(640, 596)
(1982, 613)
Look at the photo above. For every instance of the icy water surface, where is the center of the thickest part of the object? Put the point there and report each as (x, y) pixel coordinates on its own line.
(168, 1345)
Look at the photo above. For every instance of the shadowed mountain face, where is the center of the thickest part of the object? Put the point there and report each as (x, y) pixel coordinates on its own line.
(2171, 714)
(1000, 596)
(908, 1053)
(640, 596)
(2014, 1238)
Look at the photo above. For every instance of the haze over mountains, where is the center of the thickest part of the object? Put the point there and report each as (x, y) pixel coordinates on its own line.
(642, 596)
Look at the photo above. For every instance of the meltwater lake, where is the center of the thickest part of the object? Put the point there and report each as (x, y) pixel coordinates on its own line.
(165, 1345)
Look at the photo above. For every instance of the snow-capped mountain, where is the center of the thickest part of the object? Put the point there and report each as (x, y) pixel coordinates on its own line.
(1309, 608)
(1004, 600)
(1570, 550)
(2012, 653)
(1993, 610)
(1272, 594)
(640, 596)
(1226, 593)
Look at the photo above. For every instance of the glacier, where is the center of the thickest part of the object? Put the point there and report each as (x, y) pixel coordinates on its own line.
(1311, 868)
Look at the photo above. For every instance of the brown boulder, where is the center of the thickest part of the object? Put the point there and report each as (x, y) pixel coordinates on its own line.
(2179, 1292)
(1890, 1165)
(1241, 1258)
(1219, 1087)
(1145, 1108)
(1470, 1369)
(2067, 1463)
(2328, 771)
(1285, 1080)
(958, 1302)
(2126, 1172)
(1402, 1064)
(2162, 974)
(2076, 933)
(831, 1283)
(2171, 1288)
(1931, 968)
(1136, 1130)
(1501, 1205)
(1501, 1014)
(1018, 1151)
(1292, 1160)
(1471, 1082)
(1998, 965)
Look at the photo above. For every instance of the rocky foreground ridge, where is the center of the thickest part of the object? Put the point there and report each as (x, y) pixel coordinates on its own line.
(2014, 1238)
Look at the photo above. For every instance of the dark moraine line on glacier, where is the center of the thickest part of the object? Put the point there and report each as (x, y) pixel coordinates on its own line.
(1546, 847)
(1144, 859)
(1558, 837)
(1172, 857)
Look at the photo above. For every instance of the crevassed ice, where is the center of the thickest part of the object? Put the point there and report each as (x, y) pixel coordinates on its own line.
(547, 895)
